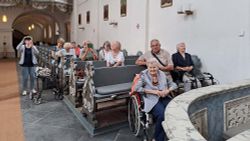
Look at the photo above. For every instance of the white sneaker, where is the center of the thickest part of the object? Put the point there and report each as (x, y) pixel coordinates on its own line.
(24, 93)
(34, 91)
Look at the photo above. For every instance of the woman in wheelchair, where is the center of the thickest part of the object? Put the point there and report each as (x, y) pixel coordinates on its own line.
(155, 88)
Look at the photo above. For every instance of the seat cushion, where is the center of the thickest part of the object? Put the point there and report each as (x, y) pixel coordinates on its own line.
(114, 89)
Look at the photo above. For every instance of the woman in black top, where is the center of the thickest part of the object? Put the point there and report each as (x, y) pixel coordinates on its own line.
(182, 64)
(27, 62)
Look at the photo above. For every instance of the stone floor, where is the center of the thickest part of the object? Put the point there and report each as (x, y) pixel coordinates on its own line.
(53, 121)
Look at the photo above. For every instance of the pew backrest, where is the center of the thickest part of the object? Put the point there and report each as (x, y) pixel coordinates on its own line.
(105, 76)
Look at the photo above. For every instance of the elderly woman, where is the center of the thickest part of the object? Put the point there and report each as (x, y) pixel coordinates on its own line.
(155, 86)
(59, 46)
(183, 65)
(27, 62)
(67, 50)
(115, 57)
(105, 50)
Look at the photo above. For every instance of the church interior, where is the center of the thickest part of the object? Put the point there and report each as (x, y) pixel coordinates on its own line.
(119, 70)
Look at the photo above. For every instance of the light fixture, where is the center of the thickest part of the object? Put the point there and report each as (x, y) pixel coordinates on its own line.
(187, 10)
(114, 23)
(29, 28)
(4, 18)
(32, 26)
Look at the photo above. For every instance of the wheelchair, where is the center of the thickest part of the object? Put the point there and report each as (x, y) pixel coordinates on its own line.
(140, 122)
(197, 78)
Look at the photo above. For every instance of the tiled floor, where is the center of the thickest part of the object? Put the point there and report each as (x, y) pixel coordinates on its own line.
(53, 121)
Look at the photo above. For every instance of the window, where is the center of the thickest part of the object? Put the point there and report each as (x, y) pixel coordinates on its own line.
(123, 8)
(106, 12)
(45, 33)
(57, 29)
(50, 32)
(79, 19)
(88, 17)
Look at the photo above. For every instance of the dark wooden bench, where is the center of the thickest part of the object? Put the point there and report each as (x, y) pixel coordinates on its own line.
(76, 80)
(133, 57)
(103, 86)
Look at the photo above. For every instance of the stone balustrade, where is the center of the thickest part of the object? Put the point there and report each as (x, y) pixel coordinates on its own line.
(209, 113)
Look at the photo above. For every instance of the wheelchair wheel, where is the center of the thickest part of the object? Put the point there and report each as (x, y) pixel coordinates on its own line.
(134, 115)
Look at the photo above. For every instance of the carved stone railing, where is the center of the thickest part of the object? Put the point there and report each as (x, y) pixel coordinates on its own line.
(209, 113)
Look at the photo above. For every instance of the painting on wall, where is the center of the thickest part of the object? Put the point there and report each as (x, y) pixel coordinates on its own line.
(88, 17)
(106, 12)
(123, 8)
(166, 3)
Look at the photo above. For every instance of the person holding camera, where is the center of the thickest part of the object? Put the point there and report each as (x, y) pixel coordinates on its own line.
(88, 53)
(27, 62)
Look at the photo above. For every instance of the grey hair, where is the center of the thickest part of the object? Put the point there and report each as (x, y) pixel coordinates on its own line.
(118, 44)
(178, 45)
(67, 44)
(61, 40)
(152, 61)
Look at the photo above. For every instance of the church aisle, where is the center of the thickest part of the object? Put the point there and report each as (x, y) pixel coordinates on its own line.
(11, 118)
(53, 121)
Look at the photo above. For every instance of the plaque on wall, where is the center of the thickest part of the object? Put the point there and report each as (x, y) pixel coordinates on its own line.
(199, 120)
(236, 112)
(166, 3)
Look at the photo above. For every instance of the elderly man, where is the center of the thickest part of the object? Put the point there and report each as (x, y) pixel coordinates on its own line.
(163, 57)
(182, 64)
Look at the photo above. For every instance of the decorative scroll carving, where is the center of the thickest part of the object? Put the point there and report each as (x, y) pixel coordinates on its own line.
(62, 7)
(88, 88)
(236, 112)
(72, 79)
(199, 120)
(40, 5)
(8, 3)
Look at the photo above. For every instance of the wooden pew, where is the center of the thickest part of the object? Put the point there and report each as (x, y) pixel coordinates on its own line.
(76, 80)
(102, 89)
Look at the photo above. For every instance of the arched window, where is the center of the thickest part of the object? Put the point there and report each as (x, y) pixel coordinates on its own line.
(50, 32)
(57, 29)
(44, 33)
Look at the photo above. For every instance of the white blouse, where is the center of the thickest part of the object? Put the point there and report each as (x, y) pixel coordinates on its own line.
(114, 59)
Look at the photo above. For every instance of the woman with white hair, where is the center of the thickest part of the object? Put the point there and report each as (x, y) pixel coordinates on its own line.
(115, 58)
(183, 66)
(155, 87)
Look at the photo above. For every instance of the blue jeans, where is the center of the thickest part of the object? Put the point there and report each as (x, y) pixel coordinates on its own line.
(158, 114)
(28, 73)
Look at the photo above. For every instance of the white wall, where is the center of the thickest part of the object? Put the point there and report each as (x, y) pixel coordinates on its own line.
(98, 31)
(212, 33)
(90, 30)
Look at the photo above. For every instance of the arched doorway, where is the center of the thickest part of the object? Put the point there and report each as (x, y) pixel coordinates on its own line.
(43, 27)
